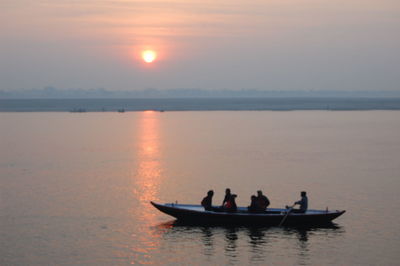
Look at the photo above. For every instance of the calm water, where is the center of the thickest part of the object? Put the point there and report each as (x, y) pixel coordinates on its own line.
(75, 188)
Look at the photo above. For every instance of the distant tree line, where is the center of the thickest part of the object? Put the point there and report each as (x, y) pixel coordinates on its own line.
(52, 92)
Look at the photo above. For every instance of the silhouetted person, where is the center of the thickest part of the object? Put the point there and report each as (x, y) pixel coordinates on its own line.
(303, 203)
(207, 201)
(253, 205)
(230, 205)
(227, 196)
(263, 201)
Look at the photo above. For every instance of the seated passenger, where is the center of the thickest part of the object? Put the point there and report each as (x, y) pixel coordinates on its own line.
(263, 201)
(227, 196)
(230, 205)
(207, 201)
(303, 203)
(253, 205)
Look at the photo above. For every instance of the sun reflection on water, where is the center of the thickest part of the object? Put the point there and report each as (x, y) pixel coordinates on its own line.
(147, 177)
(148, 173)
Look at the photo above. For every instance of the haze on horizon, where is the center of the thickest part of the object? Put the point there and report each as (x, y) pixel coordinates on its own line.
(271, 45)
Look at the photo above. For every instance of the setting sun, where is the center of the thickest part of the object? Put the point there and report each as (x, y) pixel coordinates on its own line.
(149, 56)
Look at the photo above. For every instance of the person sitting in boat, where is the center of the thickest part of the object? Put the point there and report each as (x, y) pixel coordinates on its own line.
(227, 196)
(262, 200)
(230, 205)
(303, 203)
(253, 205)
(207, 201)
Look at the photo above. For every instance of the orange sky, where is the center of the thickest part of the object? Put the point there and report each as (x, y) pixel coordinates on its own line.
(200, 44)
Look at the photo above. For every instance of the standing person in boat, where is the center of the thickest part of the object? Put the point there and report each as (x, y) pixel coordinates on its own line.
(230, 205)
(207, 201)
(227, 197)
(263, 201)
(303, 203)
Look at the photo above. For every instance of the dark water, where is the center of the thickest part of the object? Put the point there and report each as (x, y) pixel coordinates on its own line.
(75, 189)
(192, 104)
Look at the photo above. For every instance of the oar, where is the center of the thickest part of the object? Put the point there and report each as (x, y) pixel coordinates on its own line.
(287, 213)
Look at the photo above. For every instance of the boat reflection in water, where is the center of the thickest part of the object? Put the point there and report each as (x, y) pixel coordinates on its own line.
(260, 244)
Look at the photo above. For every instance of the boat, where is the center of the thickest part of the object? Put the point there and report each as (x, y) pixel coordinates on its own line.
(78, 110)
(273, 216)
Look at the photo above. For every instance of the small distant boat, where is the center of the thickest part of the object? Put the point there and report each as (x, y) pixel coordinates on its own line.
(197, 214)
(121, 110)
(78, 110)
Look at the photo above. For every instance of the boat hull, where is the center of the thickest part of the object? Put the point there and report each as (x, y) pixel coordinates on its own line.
(198, 215)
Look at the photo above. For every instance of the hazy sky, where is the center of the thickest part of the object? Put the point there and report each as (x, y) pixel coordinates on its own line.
(263, 44)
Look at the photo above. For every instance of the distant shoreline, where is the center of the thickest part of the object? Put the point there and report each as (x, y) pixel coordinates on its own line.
(200, 104)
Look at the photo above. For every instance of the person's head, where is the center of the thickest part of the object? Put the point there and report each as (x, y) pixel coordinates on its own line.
(303, 193)
(259, 192)
(210, 193)
(228, 191)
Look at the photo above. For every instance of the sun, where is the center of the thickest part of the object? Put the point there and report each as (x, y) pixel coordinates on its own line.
(149, 56)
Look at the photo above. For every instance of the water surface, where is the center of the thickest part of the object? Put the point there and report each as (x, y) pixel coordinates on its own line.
(75, 188)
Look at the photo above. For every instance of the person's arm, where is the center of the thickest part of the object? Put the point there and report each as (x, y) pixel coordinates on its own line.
(300, 202)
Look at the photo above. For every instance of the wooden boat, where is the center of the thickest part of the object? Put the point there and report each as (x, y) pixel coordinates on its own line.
(273, 216)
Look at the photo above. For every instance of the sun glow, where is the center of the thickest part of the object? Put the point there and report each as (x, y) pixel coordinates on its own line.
(149, 56)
